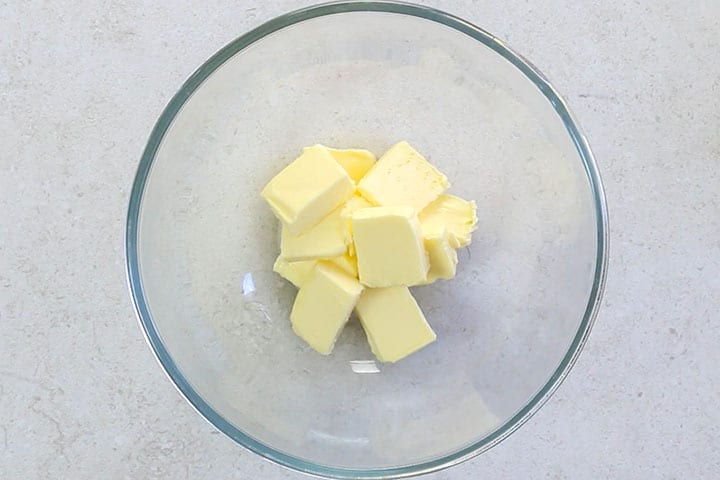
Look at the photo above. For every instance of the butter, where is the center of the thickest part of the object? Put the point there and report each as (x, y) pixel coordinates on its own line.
(393, 322)
(300, 271)
(308, 189)
(389, 247)
(354, 203)
(356, 162)
(403, 177)
(347, 264)
(443, 257)
(453, 214)
(356, 233)
(323, 305)
(327, 239)
(296, 273)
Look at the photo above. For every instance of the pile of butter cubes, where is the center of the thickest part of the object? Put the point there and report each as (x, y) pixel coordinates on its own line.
(356, 233)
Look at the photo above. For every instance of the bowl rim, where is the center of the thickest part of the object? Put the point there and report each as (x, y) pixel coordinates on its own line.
(166, 118)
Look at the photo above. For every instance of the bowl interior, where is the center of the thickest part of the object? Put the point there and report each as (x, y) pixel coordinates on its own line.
(206, 242)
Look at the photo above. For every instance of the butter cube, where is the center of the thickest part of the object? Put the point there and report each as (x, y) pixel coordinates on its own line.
(403, 177)
(393, 322)
(443, 257)
(453, 214)
(356, 162)
(308, 189)
(347, 264)
(389, 247)
(327, 239)
(296, 273)
(323, 305)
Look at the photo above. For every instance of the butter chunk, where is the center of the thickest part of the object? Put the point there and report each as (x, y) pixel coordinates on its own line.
(296, 273)
(389, 246)
(308, 189)
(323, 305)
(393, 322)
(453, 214)
(443, 257)
(403, 177)
(356, 162)
(327, 239)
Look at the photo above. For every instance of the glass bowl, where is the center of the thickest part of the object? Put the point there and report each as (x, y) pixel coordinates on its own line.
(201, 242)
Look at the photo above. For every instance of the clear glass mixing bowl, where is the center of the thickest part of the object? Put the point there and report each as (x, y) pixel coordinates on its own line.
(201, 242)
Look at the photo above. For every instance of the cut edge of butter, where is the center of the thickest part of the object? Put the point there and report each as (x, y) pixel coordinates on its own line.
(356, 161)
(443, 257)
(354, 203)
(346, 263)
(296, 273)
(327, 239)
(451, 213)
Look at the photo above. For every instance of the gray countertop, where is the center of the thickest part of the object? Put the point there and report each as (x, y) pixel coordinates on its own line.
(81, 84)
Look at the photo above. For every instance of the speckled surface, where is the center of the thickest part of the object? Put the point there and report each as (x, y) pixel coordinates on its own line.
(81, 84)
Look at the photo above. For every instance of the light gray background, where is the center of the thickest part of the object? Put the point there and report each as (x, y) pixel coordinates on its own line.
(81, 84)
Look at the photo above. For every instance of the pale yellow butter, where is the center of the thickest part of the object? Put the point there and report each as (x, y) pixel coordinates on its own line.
(452, 214)
(347, 264)
(323, 305)
(356, 162)
(354, 203)
(296, 273)
(443, 257)
(403, 177)
(389, 247)
(300, 271)
(393, 322)
(350, 222)
(308, 189)
(327, 239)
